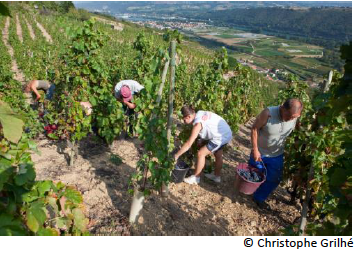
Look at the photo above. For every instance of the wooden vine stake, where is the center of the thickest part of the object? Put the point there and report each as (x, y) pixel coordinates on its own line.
(172, 88)
(73, 152)
(163, 78)
(138, 197)
(165, 188)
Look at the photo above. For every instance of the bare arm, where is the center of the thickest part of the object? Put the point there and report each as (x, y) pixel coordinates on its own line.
(187, 145)
(87, 107)
(33, 87)
(260, 121)
(130, 105)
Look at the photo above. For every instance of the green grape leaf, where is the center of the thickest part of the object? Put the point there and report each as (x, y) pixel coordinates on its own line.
(79, 219)
(26, 174)
(4, 10)
(93, 101)
(60, 185)
(43, 186)
(37, 210)
(30, 196)
(5, 173)
(53, 136)
(9, 226)
(53, 203)
(32, 222)
(73, 195)
(11, 124)
(11, 207)
(63, 223)
(48, 232)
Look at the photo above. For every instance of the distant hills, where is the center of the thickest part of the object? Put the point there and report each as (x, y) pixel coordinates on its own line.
(187, 6)
(317, 22)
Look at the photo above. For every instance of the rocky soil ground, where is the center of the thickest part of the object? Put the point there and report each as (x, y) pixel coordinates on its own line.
(207, 209)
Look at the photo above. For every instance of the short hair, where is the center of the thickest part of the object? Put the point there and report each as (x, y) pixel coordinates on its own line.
(187, 110)
(293, 104)
(25, 85)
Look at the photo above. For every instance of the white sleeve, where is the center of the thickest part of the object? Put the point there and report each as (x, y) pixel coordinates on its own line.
(198, 118)
(137, 87)
(118, 88)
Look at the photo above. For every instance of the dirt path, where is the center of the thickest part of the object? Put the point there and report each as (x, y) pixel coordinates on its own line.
(252, 47)
(30, 29)
(44, 32)
(19, 29)
(19, 76)
(115, 25)
(207, 209)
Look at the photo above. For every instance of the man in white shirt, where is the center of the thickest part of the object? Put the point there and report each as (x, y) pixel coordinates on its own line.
(212, 128)
(124, 91)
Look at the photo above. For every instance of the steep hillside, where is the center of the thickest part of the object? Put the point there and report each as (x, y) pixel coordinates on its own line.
(93, 161)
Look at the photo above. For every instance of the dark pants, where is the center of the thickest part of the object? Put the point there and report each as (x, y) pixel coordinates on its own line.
(50, 92)
(131, 115)
(274, 168)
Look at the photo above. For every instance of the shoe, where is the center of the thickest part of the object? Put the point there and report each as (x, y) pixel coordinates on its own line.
(192, 180)
(262, 205)
(214, 178)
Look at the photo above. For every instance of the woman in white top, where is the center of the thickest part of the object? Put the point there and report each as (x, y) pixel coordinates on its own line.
(212, 128)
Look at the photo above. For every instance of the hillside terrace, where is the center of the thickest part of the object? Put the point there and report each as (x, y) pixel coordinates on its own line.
(172, 25)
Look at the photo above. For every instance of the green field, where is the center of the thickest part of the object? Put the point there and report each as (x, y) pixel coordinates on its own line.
(228, 36)
(271, 52)
(268, 52)
(245, 48)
